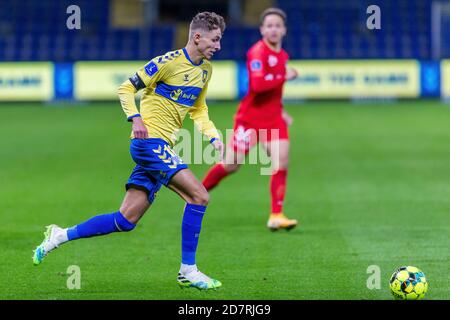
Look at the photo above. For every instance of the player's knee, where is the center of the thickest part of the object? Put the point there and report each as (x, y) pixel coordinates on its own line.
(203, 199)
(200, 197)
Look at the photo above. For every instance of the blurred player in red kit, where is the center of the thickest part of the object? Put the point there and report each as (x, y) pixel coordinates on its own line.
(261, 117)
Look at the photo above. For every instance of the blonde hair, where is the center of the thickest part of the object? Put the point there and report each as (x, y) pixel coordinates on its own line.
(207, 21)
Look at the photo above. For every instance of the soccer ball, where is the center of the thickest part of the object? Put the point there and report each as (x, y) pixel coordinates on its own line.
(408, 283)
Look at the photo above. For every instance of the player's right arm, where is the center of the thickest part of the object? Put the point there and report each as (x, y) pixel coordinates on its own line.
(259, 79)
(144, 77)
(126, 92)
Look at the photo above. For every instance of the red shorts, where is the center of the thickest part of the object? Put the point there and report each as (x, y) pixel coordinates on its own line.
(246, 135)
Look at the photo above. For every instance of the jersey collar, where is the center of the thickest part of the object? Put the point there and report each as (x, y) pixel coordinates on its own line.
(189, 58)
(267, 46)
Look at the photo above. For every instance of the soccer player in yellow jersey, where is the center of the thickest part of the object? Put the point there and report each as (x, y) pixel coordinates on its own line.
(174, 85)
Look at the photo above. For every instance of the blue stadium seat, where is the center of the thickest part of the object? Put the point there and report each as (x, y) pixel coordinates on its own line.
(343, 24)
(318, 29)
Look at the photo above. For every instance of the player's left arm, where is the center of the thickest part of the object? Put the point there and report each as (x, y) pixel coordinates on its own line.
(287, 118)
(291, 73)
(199, 114)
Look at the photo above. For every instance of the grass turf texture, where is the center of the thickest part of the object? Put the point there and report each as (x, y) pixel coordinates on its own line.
(369, 184)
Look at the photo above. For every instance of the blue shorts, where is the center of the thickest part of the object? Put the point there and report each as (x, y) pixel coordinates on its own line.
(156, 163)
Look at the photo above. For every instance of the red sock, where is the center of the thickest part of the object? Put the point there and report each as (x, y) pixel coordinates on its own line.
(214, 176)
(277, 190)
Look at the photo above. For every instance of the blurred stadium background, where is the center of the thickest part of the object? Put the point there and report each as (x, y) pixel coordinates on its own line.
(416, 31)
(369, 166)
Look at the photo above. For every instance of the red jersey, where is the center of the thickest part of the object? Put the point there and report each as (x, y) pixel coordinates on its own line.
(266, 73)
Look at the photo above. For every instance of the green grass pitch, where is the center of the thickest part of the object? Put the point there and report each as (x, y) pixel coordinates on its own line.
(369, 183)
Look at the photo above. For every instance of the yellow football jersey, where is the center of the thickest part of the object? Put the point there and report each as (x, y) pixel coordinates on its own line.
(173, 86)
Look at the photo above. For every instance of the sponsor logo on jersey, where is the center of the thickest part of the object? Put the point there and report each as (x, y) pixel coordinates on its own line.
(175, 94)
(204, 75)
(184, 95)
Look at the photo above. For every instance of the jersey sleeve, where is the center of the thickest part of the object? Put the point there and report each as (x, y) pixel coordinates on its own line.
(199, 114)
(260, 79)
(148, 75)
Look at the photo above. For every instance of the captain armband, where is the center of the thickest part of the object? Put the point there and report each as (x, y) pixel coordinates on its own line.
(137, 82)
